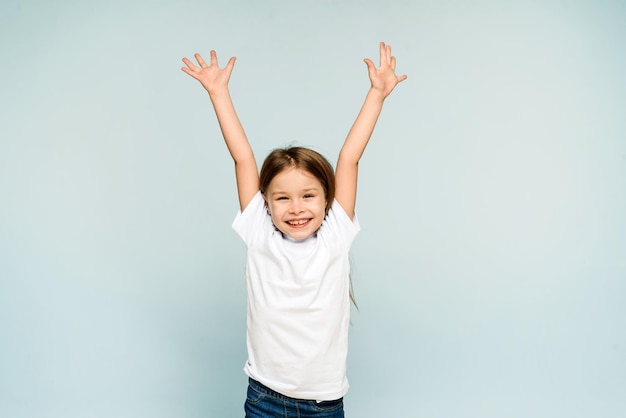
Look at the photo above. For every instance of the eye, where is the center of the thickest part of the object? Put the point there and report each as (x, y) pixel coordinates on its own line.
(281, 198)
(308, 195)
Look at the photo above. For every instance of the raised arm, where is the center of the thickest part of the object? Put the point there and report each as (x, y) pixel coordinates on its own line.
(215, 81)
(383, 80)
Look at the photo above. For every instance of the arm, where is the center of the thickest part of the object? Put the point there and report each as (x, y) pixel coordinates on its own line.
(383, 80)
(215, 81)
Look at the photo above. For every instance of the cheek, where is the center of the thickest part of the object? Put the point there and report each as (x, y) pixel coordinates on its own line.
(321, 211)
(323, 204)
(274, 210)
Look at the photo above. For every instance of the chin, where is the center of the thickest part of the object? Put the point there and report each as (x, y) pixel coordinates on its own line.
(299, 234)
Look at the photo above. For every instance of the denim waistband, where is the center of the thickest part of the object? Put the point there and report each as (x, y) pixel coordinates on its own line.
(264, 389)
(270, 392)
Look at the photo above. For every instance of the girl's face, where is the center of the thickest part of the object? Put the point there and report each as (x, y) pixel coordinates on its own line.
(296, 202)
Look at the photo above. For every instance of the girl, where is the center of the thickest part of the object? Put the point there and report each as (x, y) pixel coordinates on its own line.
(297, 219)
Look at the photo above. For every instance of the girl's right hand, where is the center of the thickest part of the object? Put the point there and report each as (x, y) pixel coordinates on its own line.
(211, 76)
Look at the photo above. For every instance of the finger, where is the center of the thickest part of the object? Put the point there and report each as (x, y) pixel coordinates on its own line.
(388, 54)
(192, 73)
(213, 57)
(200, 60)
(370, 64)
(189, 64)
(393, 63)
(402, 78)
(382, 53)
(230, 64)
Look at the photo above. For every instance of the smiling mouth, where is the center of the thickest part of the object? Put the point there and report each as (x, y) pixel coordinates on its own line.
(298, 222)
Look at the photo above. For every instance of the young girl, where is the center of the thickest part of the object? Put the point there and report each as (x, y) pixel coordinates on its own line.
(297, 219)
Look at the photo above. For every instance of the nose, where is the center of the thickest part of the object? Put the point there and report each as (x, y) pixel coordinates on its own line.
(296, 207)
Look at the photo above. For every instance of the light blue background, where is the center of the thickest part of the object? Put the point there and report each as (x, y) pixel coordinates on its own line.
(490, 270)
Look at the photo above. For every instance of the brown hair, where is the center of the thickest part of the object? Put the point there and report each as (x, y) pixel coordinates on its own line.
(304, 159)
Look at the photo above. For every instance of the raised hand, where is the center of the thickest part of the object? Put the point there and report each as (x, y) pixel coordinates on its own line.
(384, 78)
(212, 77)
(215, 80)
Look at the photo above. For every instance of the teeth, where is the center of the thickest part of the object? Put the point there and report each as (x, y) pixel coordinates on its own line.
(298, 222)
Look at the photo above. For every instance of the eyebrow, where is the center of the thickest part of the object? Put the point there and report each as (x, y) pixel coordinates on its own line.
(310, 189)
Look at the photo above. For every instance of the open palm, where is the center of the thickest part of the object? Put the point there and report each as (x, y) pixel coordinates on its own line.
(211, 77)
(384, 77)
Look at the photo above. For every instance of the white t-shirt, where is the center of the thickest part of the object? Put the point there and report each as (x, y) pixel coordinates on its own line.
(298, 303)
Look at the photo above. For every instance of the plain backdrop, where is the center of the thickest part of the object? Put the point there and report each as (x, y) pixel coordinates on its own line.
(490, 269)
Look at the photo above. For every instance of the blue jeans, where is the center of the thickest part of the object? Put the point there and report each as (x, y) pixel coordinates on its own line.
(263, 402)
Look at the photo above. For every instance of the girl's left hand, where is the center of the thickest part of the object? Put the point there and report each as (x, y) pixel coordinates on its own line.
(384, 78)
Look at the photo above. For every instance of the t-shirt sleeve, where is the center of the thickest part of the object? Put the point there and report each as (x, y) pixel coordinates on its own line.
(339, 220)
(251, 218)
